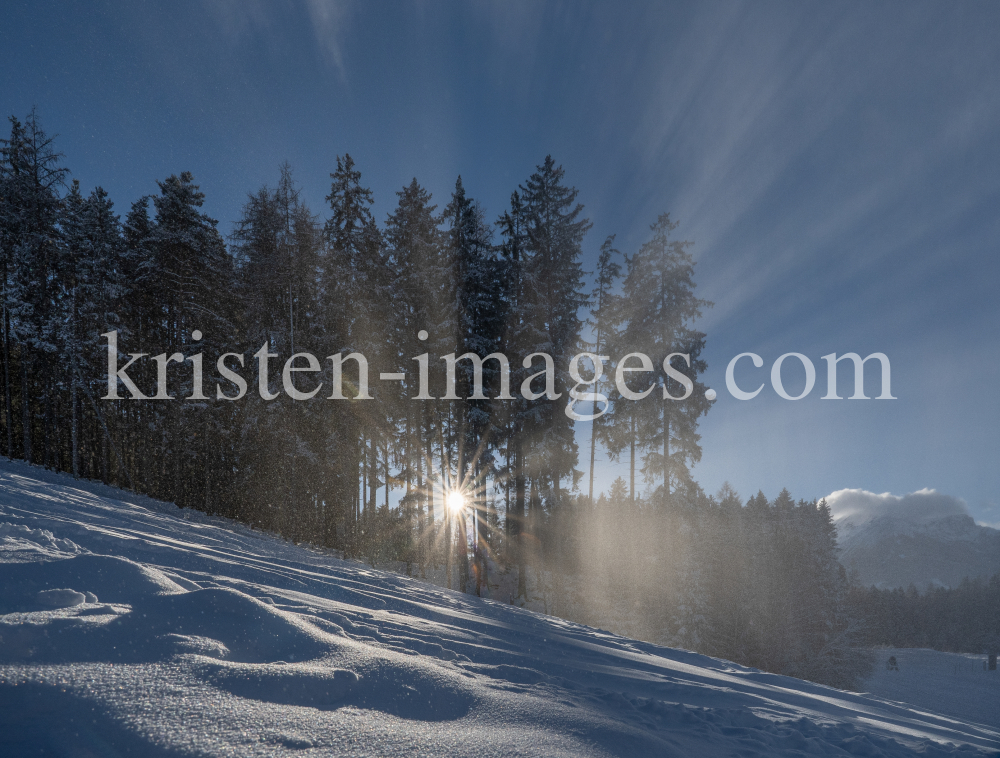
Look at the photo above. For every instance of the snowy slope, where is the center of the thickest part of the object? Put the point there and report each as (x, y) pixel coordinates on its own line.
(954, 684)
(130, 627)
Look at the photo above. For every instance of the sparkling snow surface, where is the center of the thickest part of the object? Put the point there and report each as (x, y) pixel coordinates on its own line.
(130, 627)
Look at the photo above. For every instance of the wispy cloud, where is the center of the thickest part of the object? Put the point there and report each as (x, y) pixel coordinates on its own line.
(237, 18)
(329, 18)
(750, 110)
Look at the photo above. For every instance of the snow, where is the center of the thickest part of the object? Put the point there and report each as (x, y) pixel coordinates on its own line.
(131, 627)
(953, 684)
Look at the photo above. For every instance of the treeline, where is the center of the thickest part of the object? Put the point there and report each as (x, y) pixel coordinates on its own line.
(963, 619)
(756, 583)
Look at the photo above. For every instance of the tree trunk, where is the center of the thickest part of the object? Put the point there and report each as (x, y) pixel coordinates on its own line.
(373, 475)
(508, 521)
(666, 455)
(519, 519)
(448, 549)
(421, 497)
(631, 461)
(462, 543)
(74, 422)
(483, 513)
(593, 452)
(8, 403)
(428, 531)
(593, 424)
(208, 468)
(48, 423)
(25, 403)
(408, 509)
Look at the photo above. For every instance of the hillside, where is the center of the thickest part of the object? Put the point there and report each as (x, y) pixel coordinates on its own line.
(131, 627)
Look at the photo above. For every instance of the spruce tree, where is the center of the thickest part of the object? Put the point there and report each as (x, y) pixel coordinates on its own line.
(70, 337)
(479, 313)
(543, 234)
(197, 274)
(33, 178)
(90, 273)
(660, 293)
(554, 230)
(604, 304)
(416, 243)
(276, 244)
(518, 338)
(353, 288)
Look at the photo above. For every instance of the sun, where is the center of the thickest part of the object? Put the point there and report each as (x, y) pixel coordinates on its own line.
(456, 501)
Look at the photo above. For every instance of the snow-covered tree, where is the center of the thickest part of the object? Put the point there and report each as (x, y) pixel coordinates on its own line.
(32, 178)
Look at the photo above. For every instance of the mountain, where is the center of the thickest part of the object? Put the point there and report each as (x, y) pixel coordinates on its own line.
(923, 538)
(132, 627)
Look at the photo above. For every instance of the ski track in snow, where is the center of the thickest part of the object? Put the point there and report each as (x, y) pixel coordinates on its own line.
(131, 627)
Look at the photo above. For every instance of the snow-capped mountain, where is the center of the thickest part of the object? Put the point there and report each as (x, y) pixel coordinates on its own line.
(925, 538)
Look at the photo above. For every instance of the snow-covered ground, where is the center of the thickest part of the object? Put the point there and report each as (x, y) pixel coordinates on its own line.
(130, 627)
(953, 684)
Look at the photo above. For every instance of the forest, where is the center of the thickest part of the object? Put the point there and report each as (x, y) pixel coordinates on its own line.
(461, 483)
(962, 619)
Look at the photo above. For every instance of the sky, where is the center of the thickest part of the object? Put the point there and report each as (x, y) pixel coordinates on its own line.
(836, 167)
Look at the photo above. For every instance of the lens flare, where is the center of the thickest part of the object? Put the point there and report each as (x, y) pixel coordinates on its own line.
(456, 501)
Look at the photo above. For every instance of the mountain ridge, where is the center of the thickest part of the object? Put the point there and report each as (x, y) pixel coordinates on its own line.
(888, 551)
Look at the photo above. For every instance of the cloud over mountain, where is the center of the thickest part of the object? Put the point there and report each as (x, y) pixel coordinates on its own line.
(925, 538)
(860, 506)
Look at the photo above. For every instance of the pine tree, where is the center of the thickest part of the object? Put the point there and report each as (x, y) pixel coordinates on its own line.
(416, 246)
(90, 273)
(10, 166)
(518, 338)
(551, 295)
(555, 231)
(276, 244)
(354, 282)
(33, 178)
(727, 580)
(70, 337)
(479, 314)
(602, 322)
(619, 428)
(140, 316)
(196, 273)
(659, 290)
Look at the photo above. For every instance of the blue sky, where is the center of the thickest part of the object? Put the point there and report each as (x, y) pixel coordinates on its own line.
(836, 165)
